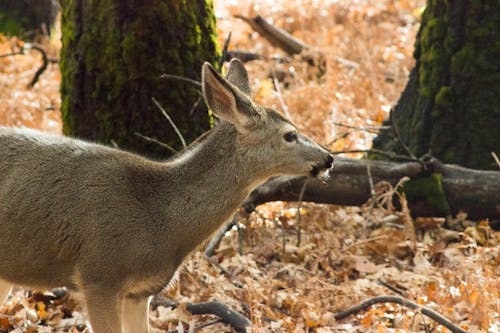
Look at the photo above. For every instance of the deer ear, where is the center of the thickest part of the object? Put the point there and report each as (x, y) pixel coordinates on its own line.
(237, 75)
(227, 101)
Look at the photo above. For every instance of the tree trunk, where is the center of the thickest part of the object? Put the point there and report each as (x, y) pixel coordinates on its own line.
(113, 55)
(27, 17)
(451, 104)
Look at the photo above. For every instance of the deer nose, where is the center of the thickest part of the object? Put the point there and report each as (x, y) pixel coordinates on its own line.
(329, 161)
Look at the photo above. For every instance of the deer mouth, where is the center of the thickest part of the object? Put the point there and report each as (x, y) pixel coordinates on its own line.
(315, 170)
(326, 166)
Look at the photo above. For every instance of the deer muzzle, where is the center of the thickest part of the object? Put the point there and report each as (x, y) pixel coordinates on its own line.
(326, 164)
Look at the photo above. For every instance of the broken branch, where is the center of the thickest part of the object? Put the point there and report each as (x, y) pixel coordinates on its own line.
(403, 301)
(276, 36)
(239, 322)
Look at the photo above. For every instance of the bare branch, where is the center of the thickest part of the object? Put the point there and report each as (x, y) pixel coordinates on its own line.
(199, 327)
(387, 154)
(280, 97)
(232, 278)
(392, 288)
(495, 157)
(398, 137)
(403, 301)
(373, 130)
(299, 215)
(372, 194)
(44, 65)
(164, 145)
(214, 242)
(224, 51)
(180, 78)
(170, 121)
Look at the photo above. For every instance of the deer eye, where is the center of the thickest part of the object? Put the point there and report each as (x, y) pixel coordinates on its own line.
(290, 136)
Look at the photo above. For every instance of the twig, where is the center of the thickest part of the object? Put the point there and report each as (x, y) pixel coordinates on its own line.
(392, 288)
(398, 137)
(180, 78)
(340, 137)
(11, 54)
(372, 194)
(170, 121)
(299, 215)
(495, 157)
(197, 328)
(368, 240)
(388, 154)
(147, 138)
(195, 106)
(244, 56)
(403, 301)
(240, 239)
(232, 278)
(44, 65)
(373, 130)
(224, 51)
(347, 62)
(280, 97)
(279, 225)
(209, 250)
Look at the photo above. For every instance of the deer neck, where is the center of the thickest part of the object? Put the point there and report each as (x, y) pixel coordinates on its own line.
(212, 177)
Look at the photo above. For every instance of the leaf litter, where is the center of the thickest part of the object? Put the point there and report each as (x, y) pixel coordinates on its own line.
(282, 287)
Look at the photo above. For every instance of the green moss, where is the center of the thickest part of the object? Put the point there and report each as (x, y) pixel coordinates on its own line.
(462, 62)
(429, 190)
(10, 26)
(432, 49)
(445, 96)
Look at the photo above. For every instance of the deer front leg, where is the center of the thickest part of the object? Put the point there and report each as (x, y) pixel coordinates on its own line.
(135, 315)
(104, 309)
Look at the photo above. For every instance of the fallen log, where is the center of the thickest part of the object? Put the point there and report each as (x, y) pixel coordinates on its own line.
(476, 192)
(276, 36)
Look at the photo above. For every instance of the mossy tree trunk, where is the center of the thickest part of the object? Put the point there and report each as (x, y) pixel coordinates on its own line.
(113, 55)
(451, 104)
(27, 17)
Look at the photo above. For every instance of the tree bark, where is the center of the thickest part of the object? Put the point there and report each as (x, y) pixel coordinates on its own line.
(458, 189)
(112, 57)
(451, 104)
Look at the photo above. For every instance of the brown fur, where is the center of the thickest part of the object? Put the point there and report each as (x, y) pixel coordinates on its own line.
(115, 226)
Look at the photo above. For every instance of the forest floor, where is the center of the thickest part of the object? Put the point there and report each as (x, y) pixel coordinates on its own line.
(346, 254)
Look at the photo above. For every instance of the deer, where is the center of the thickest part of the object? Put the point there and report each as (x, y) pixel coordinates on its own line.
(113, 226)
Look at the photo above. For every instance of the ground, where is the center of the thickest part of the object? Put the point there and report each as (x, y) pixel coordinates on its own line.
(346, 254)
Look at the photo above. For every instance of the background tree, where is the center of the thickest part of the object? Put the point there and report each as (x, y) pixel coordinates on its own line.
(451, 104)
(27, 17)
(112, 57)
